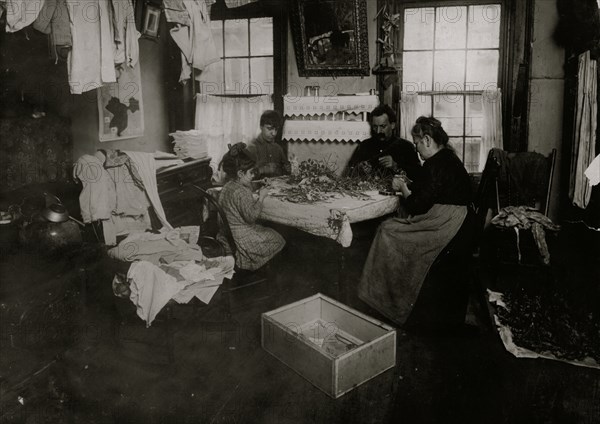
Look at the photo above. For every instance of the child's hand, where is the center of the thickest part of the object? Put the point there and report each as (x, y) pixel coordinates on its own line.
(262, 193)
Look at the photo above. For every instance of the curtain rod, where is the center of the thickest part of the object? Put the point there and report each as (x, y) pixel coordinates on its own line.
(231, 95)
(439, 93)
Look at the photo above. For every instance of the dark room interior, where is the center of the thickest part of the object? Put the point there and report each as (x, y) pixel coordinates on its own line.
(355, 282)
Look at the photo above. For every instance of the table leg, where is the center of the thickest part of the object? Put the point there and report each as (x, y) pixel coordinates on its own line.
(342, 277)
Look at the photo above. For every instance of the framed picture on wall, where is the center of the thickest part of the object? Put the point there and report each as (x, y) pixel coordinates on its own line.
(151, 20)
(120, 106)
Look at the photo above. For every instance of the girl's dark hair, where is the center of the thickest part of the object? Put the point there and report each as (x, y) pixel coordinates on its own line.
(428, 125)
(238, 158)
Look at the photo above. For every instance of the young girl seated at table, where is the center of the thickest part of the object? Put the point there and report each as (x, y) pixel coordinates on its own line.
(255, 244)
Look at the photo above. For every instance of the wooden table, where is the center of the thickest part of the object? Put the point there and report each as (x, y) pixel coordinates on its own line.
(330, 218)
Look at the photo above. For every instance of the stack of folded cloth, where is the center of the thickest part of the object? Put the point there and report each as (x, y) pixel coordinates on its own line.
(189, 144)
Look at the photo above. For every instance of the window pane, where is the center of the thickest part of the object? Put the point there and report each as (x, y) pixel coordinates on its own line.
(418, 28)
(211, 79)
(484, 26)
(236, 42)
(417, 70)
(474, 116)
(457, 144)
(236, 76)
(482, 69)
(261, 75)
(471, 160)
(261, 36)
(451, 28)
(449, 72)
(217, 33)
(449, 110)
(424, 106)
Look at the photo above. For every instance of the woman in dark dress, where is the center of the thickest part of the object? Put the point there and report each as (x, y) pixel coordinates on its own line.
(405, 248)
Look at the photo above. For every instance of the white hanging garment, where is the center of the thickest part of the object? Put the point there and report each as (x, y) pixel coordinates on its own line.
(21, 13)
(584, 138)
(125, 33)
(91, 60)
(195, 41)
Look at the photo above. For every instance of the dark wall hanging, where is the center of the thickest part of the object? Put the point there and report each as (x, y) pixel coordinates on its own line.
(330, 37)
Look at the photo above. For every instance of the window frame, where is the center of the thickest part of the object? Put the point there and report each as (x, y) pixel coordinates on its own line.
(505, 71)
(464, 138)
(267, 9)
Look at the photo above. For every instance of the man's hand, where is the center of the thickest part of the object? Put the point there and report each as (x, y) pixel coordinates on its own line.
(365, 167)
(387, 162)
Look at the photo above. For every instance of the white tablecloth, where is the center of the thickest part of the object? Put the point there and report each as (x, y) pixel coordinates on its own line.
(330, 219)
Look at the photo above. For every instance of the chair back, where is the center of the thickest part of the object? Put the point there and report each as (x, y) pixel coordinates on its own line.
(516, 179)
(222, 222)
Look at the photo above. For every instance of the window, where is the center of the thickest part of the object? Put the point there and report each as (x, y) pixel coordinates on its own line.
(450, 55)
(247, 62)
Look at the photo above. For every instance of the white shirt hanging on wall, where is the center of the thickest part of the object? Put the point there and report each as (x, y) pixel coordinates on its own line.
(21, 13)
(91, 61)
(195, 41)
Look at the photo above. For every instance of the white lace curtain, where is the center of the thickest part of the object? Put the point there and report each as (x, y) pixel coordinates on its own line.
(228, 120)
(492, 124)
(492, 120)
(584, 137)
(408, 113)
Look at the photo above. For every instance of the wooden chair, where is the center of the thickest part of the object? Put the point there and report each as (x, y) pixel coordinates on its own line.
(221, 240)
(502, 186)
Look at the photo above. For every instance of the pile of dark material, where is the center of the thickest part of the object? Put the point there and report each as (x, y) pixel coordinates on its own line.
(553, 322)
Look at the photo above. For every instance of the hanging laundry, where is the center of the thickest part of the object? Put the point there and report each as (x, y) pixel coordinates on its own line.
(91, 60)
(21, 13)
(196, 40)
(584, 139)
(176, 13)
(237, 3)
(54, 20)
(125, 33)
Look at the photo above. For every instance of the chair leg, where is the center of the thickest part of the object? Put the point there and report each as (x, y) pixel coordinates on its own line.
(170, 336)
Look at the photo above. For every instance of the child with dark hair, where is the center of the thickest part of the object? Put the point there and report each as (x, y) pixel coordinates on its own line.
(255, 244)
(270, 158)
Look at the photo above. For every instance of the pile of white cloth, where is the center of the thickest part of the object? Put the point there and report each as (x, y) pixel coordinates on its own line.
(190, 144)
(168, 265)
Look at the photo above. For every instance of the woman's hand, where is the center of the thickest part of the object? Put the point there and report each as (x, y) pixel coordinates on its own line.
(399, 184)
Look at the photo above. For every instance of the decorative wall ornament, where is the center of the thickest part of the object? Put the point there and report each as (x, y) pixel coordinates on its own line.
(330, 37)
(151, 20)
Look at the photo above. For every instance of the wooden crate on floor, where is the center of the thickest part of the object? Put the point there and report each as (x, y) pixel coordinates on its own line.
(333, 346)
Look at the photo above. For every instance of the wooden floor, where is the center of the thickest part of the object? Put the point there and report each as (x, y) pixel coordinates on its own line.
(120, 374)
